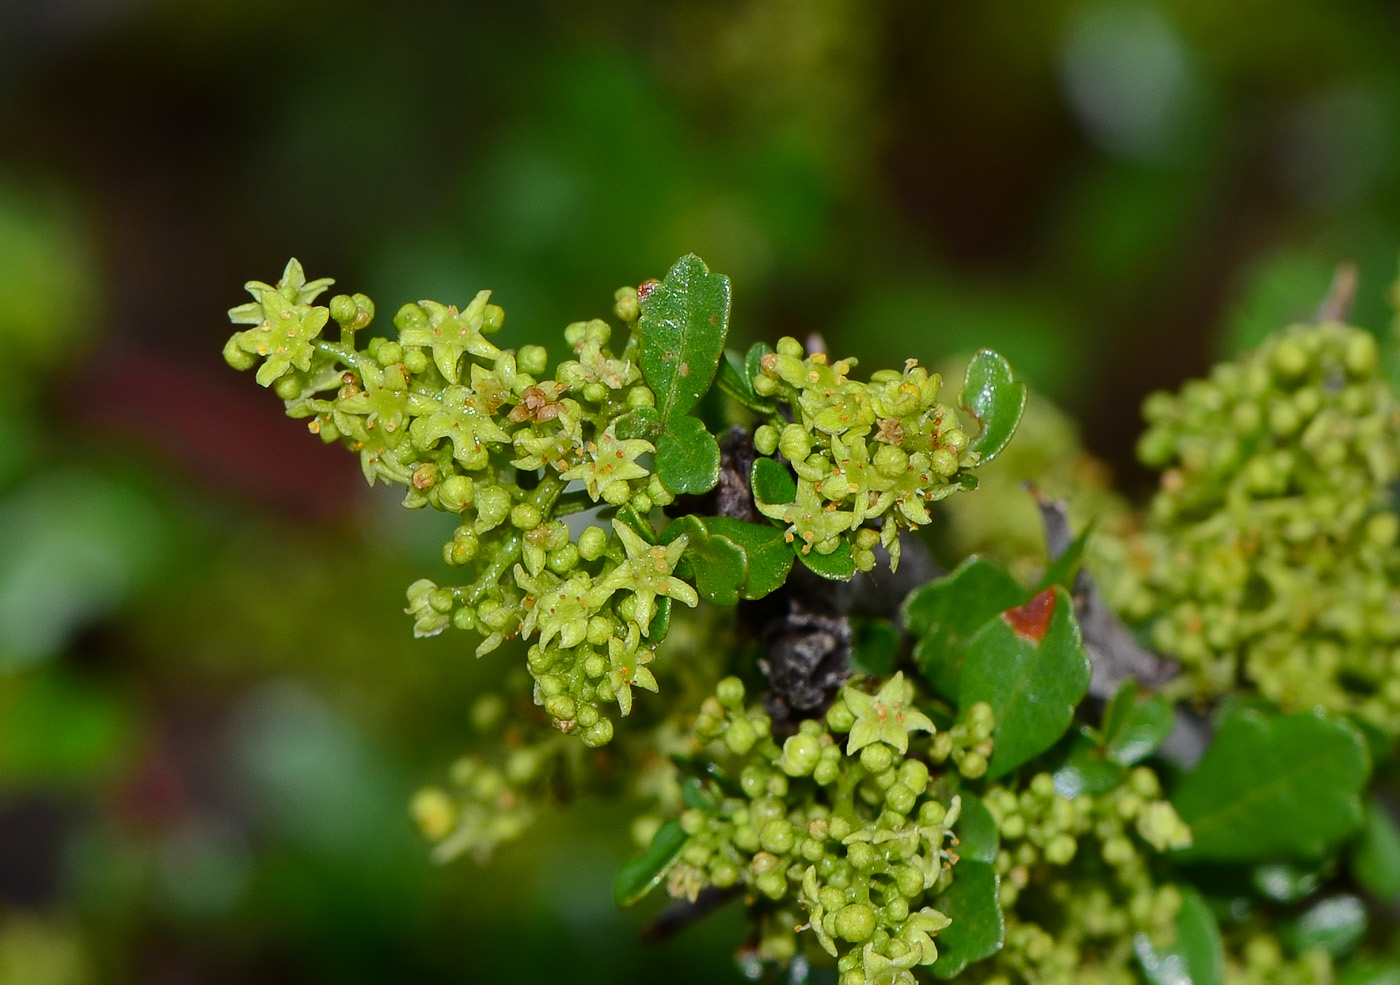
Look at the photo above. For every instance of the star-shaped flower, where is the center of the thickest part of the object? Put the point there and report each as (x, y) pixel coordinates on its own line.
(560, 609)
(918, 931)
(629, 660)
(382, 405)
(293, 288)
(287, 324)
(886, 716)
(882, 970)
(646, 573)
(448, 332)
(809, 516)
(608, 460)
(459, 416)
(593, 365)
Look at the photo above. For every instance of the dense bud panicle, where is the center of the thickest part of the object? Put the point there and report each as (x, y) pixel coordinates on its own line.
(865, 454)
(1271, 538)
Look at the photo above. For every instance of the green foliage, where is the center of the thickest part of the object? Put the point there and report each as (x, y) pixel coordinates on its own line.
(976, 804)
(995, 399)
(1135, 724)
(1194, 955)
(1030, 667)
(641, 875)
(1305, 767)
(945, 614)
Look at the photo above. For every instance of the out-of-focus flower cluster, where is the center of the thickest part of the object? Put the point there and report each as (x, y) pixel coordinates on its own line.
(1271, 543)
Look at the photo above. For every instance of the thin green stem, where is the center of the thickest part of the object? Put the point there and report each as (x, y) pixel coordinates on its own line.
(542, 497)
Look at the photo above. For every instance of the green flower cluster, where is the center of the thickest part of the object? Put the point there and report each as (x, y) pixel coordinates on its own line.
(1076, 880)
(493, 797)
(481, 432)
(968, 742)
(1259, 959)
(1272, 539)
(847, 843)
(865, 453)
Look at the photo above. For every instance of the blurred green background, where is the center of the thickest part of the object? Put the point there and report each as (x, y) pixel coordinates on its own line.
(212, 712)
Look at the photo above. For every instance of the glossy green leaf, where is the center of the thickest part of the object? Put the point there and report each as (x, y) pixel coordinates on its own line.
(736, 380)
(1033, 675)
(661, 622)
(1334, 924)
(718, 566)
(768, 554)
(944, 614)
(993, 396)
(839, 565)
(687, 456)
(978, 929)
(1272, 787)
(1375, 856)
(644, 423)
(1086, 767)
(1195, 957)
(976, 831)
(729, 559)
(681, 330)
(641, 875)
(772, 483)
(1135, 723)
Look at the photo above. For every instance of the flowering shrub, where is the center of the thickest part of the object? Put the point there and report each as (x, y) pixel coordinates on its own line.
(959, 775)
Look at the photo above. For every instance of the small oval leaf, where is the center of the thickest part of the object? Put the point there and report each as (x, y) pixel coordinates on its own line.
(1032, 686)
(978, 929)
(1135, 723)
(681, 330)
(993, 396)
(772, 483)
(641, 875)
(687, 457)
(839, 565)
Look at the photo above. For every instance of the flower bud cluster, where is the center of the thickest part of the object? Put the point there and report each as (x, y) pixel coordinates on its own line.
(1086, 860)
(968, 742)
(1256, 957)
(480, 432)
(866, 454)
(1272, 539)
(491, 798)
(846, 845)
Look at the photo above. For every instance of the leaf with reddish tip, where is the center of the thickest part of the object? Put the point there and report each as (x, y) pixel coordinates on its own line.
(1030, 621)
(1033, 680)
(945, 614)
